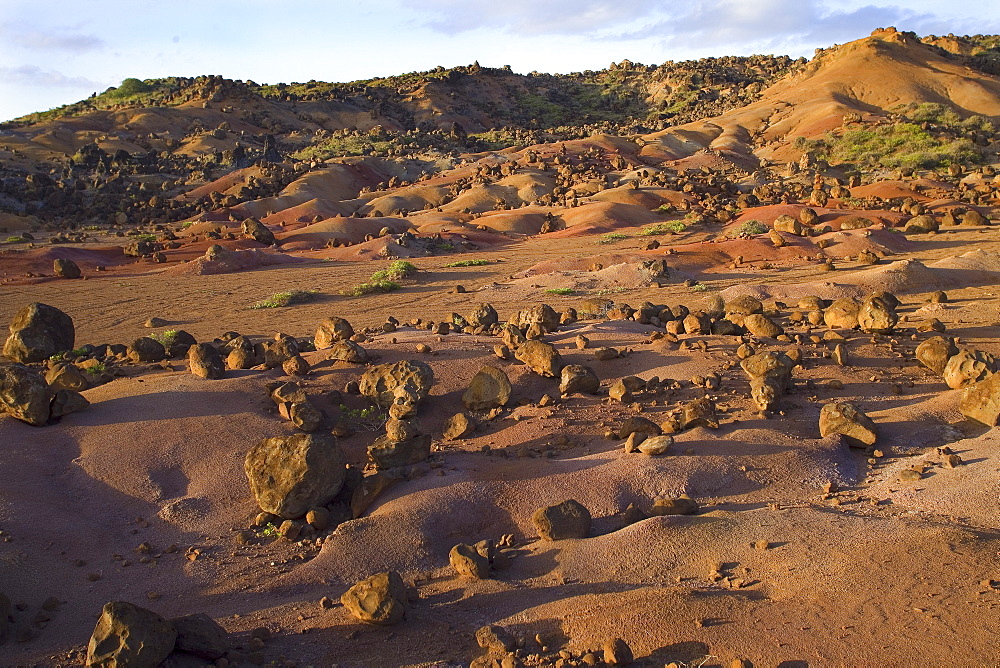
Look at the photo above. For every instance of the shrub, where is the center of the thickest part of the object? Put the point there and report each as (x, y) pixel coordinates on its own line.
(285, 299)
(559, 291)
(15, 239)
(612, 237)
(131, 86)
(372, 287)
(656, 229)
(750, 228)
(900, 145)
(398, 270)
(468, 263)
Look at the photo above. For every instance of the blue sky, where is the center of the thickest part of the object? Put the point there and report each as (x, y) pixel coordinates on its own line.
(52, 53)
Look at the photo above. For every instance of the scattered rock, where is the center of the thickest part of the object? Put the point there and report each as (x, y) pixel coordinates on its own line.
(935, 352)
(200, 635)
(256, 230)
(468, 562)
(458, 426)
(381, 599)
(968, 367)
(330, 331)
(681, 505)
(876, 316)
(576, 378)
(24, 394)
(699, 413)
(760, 325)
(489, 388)
(842, 314)
(656, 445)
(290, 474)
(845, 418)
(400, 386)
(770, 373)
(568, 519)
(65, 268)
(348, 351)
(541, 357)
(981, 401)
(38, 332)
(206, 362)
(146, 350)
(127, 635)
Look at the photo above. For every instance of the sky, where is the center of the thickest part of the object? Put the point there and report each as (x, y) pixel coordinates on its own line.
(57, 52)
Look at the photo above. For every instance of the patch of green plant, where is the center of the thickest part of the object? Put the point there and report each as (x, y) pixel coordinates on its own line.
(656, 229)
(15, 239)
(396, 271)
(699, 287)
(901, 145)
(468, 263)
(750, 228)
(165, 338)
(187, 224)
(269, 530)
(610, 291)
(665, 208)
(92, 228)
(559, 291)
(372, 287)
(612, 237)
(371, 417)
(96, 369)
(145, 237)
(286, 299)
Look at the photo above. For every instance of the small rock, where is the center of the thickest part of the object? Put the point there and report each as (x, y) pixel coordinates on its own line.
(569, 519)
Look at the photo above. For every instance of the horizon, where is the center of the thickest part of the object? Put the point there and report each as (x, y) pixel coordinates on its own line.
(57, 58)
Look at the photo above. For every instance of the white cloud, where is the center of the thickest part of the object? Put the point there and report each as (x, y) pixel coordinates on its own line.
(33, 75)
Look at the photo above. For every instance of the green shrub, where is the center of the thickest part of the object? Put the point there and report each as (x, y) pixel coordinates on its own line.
(750, 228)
(900, 145)
(559, 291)
(285, 299)
(372, 287)
(656, 229)
(612, 237)
(468, 263)
(15, 239)
(396, 271)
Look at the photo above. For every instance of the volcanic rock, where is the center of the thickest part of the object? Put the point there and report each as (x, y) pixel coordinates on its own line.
(400, 387)
(568, 519)
(288, 475)
(381, 599)
(348, 351)
(330, 331)
(935, 352)
(489, 388)
(576, 378)
(205, 361)
(845, 418)
(38, 332)
(146, 350)
(981, 401)
(24, 394)
(127, 635)
(968, 367)
(65, 268)
(200, 635)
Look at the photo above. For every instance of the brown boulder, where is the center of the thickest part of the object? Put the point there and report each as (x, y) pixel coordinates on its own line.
(968, 367)
(24, 394)
(288, 475)
(846, 419)
(541, 357)
(569, 519)
(38, 332)
(205, 361)
(935, 352)
(127, 635)
(65, 268)
(400, 387)
(381, 599)
(331, 330)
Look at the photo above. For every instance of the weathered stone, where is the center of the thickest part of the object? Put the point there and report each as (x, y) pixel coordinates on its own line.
(788, 224)
(38, 332)
(484, 316)
(381, 599)
(200, 635)
(542, 315)
(66, 377)
(638, 425)
(769, 373)
(489, 388)
(876, 316)
(512, 337)
(458, 426)
(935, 352)
(541, 357)
(65, 268)
(760, 325)
(682, 505)
(568, 519)
(330, 331)
(400, 387)
(576, 378)
(656, 445)
(842, 313)
(699, 413)
(846, 419)
(605, 353)
(65, 402)
(617, 653)
(968, 367)
(981, 401)
(387, 454)
(275, 352)
(295, 366)
(205, 361)
(290, 474)
(304, 415)
(496, 639)
(348, 351)
(24, 394)
(127, 635)
(468, 562)
(256, 230)
(146, 350)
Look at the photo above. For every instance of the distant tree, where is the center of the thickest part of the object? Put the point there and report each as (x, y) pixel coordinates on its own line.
(132, 86)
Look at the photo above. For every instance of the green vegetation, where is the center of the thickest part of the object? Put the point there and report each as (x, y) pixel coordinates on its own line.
(612, 237)
(656, 229)
(370, 418)
(899, 145)
(559, 291)
(468, 263)
(15, 239)
(699, 287)
(750, 228)
(286, 299)
(372, 287)
(269, 530)
(165, 338)
(384, 280)
(145, 237)
(96, 369)
(396, 271)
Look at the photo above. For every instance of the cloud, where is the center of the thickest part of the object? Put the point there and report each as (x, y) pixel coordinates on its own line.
(530, 17)
(33, 75)
(55, 40)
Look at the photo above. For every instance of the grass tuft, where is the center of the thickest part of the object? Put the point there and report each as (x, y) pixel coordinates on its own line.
(559, 291)
(656, 229)
(469, 263)
(612, 237)
(285, 299)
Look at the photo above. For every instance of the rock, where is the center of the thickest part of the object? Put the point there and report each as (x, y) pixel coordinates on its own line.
(760, 325)
(275, 352)
(788, 224)
(623, 388)
(968, 367)
(387, 454)
(38, 332)
(400, 387)
(66, 377)
(24, 394)
(981, 401)
(496, 639)
(402, 430)
(468, 562)
(842, 313)
(973, 217)
(699, 413)
(935, 352)
(145, 350)
(489, 388)
(633, 441)
(65, 402)
(769, 374)
(304, 415)
(176, 343)
(458, 426)
(205, 361)
(381, 599)
(638, 425)
(200, 635)
(65, 268)
(330, 331)
(484, 316)
(617, 652)
(295, 366)
(256, 230)
(576, 378)
(156, 322)
(845, 418)
(288, 393)
(241, 354)
(568, 519)
(542, 315)
(604, 353)
(288, 475)
(512, 337)
(656, 445)
(541, 357)
(682, 505)
(854, 223)
(127, 635)
(876, 316)
(348, 351)
(921, 225)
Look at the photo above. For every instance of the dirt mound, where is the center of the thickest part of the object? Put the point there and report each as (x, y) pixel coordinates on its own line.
(354, 230)
(230, 261)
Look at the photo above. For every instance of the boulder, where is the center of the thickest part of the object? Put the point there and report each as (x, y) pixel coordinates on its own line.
(788, 224)
(569, 519)
(24, 394)
(981, 401)
(288, 475)
(468, 562)
(127, 635)
(845, 418)
(968, 367)
(400, 386)
(638, 425)
(681, 505)
(921, 225)
(489, 388)
(200, 635)
(330, 331)
(275, 352)
(935, 352)
(65, 402)
(458, 426)
(256, 230)
(496, 639)
(542, 315)
(541, 357)
(842, 313)
(484, 316)
(760, 325)
(65, 268)
(38, 332)
(66, 377)
(146, 350)
(381, 599)
(769, 373)
(348, 351)
(576, 378)
(386, 453)
(877, 316)
(699, 413)
(617, 653)
(656, 445)
(205, 361)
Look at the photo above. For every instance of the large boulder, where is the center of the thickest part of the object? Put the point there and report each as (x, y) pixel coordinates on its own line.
(541, 357)
(968, 367)
(842, 313)
(258, 231)
(845, 418)
(569, 519)
(542, 315)
(348, 351)
(400, 386)
(769, 374)
(876, 315)
(981, 401)
(935, 352)
(489, 388)
(24, 394)
(290, 474)
(381, 599)
(484, 316)
(387, 453)
(127, 635)
(331, 330)
(205, 361)
(275, 352)
(38, 332)
(146, 350)
(65, 268)
(576, 378)
(200, 635)
(759, 324)
(786, 223)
